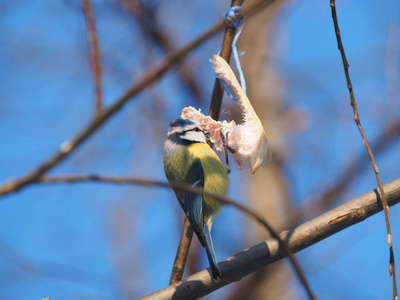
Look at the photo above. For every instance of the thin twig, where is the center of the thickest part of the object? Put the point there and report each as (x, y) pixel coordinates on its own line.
(182, 254)
(226, 52)
(392, 267)
(155, 72)
(298, 238)
(95, 58)
(188, 188)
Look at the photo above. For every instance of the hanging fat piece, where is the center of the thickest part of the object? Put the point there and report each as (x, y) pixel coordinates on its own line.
(248, 139)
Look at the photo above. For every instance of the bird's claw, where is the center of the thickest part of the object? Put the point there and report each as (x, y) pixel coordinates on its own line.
(224, 138)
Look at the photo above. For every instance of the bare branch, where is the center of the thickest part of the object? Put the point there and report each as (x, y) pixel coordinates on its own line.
(392, 266)
(226, 52)
(298, 238)
(182, 253)
(95, 58)
(155, 31)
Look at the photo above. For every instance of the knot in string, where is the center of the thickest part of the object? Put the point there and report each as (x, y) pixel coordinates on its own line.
(233, 16)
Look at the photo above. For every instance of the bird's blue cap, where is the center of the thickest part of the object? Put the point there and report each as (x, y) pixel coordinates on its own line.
(180, 122)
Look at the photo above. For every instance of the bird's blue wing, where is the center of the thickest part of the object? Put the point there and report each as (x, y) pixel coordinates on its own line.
(193, 203)
(212, 259)
(193, 207)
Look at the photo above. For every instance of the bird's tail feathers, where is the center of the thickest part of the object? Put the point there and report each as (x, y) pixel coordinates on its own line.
(215, 271)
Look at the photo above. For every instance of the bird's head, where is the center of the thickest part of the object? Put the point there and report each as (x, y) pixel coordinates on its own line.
(186, 132)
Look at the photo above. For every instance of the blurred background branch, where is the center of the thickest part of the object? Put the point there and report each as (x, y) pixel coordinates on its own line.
(95, 57)
(155, 35)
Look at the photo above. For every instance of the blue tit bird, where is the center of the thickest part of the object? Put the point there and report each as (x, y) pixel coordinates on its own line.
(189, 159)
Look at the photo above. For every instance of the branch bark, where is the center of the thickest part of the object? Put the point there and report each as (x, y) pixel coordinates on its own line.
(267, 252)
(182, 253)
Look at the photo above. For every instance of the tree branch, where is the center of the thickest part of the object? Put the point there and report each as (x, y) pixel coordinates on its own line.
(182, 253)
(95, 58)
(226, 52)
(298, 238)
(155, 31)
(392, 265)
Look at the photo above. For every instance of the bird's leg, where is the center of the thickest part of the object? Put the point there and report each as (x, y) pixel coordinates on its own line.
(224, 139)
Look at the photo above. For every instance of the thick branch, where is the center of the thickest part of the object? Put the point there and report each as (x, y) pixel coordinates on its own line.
(297, 239)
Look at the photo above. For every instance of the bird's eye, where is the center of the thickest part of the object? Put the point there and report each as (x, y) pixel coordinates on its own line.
(197, 129)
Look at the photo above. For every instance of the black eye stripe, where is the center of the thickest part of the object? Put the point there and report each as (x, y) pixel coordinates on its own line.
(196, 129)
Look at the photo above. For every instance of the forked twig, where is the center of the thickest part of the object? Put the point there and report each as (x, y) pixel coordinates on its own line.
(392, 267)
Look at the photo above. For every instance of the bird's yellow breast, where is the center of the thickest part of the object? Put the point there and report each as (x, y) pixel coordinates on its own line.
(178, 165)
(215, 175)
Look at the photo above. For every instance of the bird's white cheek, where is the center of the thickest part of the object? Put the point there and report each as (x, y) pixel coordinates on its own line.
(194, 136)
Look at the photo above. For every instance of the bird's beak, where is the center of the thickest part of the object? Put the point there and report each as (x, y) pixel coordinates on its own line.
(207, 135)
